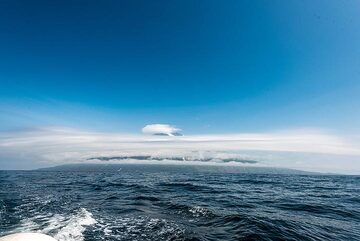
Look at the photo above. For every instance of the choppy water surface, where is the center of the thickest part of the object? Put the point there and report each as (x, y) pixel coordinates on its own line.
(139, 202)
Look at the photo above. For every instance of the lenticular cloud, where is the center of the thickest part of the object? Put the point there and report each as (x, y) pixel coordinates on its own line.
(161, 130)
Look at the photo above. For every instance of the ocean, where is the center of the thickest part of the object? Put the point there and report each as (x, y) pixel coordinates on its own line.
(164, 202)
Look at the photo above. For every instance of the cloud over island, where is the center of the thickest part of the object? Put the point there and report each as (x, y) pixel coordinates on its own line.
(308, 150)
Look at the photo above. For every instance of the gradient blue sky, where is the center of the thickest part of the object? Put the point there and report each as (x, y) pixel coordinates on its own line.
(204, 66)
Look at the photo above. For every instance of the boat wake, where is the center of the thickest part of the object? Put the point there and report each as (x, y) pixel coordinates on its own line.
(62, 228)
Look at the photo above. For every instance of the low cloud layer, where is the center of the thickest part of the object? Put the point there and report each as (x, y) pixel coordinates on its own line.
(308, 150)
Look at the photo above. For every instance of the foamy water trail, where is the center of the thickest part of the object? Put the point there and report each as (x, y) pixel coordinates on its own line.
(62, 228)
(75, 226)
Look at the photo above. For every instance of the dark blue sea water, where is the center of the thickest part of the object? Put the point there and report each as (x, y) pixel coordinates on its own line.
(154, 202)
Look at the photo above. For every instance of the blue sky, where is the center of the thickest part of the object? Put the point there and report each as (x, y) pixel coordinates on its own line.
(204, 66)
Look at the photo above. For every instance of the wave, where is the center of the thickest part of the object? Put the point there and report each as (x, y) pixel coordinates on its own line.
(175, 186)
(194, 211)
(146, 198)
(147, 228)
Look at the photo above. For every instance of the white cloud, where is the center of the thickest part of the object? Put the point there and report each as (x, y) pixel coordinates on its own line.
(161, 129)
(309, 150)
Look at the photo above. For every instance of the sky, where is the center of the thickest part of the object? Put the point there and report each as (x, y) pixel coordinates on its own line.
(205, 67)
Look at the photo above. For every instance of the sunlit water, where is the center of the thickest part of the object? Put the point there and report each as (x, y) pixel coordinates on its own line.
(140, 202)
